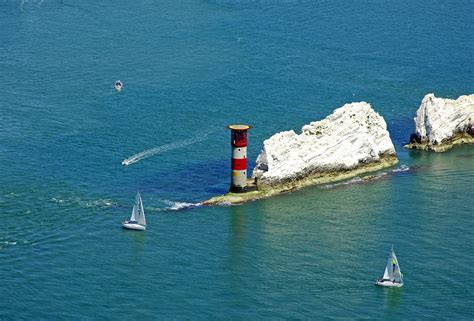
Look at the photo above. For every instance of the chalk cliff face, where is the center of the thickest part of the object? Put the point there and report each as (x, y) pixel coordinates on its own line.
(352, 137)
(442, 123)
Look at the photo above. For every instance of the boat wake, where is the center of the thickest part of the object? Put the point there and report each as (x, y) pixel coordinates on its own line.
(163, 148)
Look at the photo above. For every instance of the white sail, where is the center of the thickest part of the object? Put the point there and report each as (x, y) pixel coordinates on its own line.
(136, 209)
(133, 217)
(141, 212)
(392, 269)
(396, 273)
(386, 274)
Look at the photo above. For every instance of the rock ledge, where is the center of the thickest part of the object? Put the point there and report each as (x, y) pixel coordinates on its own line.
(443, 123)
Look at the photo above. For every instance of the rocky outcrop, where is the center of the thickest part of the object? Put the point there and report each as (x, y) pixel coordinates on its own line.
(442, 123)
(352, 140)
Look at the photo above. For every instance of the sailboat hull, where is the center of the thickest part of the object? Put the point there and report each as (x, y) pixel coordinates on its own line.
(388, 283)
(133, 226)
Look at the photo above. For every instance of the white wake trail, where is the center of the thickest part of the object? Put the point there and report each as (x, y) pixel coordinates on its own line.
(164, 148)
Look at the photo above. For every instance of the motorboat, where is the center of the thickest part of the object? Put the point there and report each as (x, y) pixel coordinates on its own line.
(118, 85)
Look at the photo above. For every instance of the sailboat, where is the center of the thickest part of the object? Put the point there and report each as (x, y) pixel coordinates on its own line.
(137, 220)
(392, 276)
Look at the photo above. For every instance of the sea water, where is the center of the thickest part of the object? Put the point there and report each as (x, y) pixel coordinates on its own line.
(189, 68)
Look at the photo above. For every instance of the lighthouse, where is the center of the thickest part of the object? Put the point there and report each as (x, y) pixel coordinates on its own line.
(239, 158)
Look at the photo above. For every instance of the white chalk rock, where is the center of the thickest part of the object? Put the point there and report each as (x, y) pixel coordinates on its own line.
(440, 119)
(353, 135)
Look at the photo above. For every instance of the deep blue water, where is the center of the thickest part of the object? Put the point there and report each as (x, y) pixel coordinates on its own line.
(189, 69)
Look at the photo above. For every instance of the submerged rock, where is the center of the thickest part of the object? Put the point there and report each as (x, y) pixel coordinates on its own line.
(353, 137)
(443, 123)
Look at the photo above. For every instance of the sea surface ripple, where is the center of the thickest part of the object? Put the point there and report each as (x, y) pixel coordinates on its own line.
(190, 68)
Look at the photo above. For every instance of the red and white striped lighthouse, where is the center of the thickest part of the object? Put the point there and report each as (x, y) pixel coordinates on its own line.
(239, 158)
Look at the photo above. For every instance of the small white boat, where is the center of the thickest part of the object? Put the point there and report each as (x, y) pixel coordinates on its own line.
(137, 220)
(392, 276)
(118, 85)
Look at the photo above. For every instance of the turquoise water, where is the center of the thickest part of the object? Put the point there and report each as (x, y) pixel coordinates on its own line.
(189, 69)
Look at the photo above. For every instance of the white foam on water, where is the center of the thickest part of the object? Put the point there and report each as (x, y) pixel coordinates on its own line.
(402, 168)
(77, 201)
(351, 181)
(5, 244)
(23, 3)
(167, 205)
(57, 200)
(356, 180)
(164, 148)
(10, 242)
(101, 203)
(176, 206)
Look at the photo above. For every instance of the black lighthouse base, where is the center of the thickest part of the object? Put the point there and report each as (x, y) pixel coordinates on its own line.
(238, 189)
